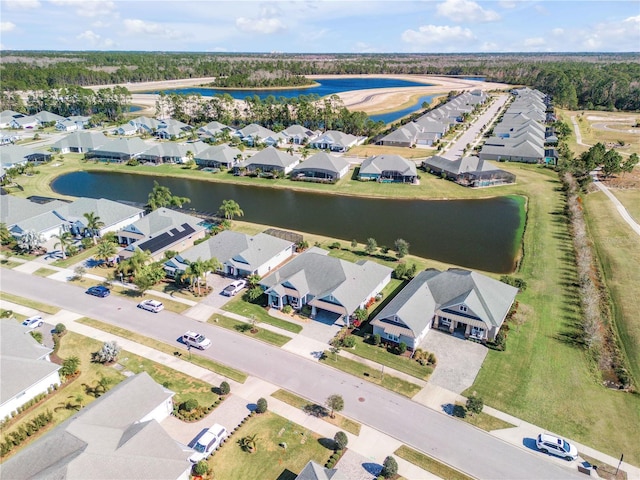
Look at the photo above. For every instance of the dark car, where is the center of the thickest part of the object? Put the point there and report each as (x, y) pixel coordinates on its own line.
(99, 291)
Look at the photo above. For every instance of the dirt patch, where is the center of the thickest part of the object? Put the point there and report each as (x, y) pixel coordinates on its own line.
(627, 181)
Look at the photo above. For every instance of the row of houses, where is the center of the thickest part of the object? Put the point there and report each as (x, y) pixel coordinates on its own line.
(17, 120)
(524, 133)
(433, 125)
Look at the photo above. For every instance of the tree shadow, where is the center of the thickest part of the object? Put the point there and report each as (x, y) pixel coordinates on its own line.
(372, 468)
(315, 410)
(328, 443)
(287, 475)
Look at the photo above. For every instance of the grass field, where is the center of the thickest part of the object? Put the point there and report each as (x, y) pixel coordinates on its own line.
(543, 374)
(339, 421)
(631, 201)
(430, 464)
(242, 327)
(270, 461)
(256, 312)
(44, 272)
(42, 307)
(196, 359)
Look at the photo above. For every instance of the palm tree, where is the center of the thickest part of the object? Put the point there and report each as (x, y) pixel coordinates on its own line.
(230, 209)
(94, 224)
(65, 240)
(134, 263)
(105, 251)
(31, 240)
(194, 271)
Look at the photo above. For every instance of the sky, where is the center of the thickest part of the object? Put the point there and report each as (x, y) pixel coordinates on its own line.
(322, 26)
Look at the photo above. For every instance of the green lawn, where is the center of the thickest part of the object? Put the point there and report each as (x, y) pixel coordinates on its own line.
(80, 257)
(481, 420)
(42, 307)
(372, 375)
(194, 358)
(543, 374)
(270, 461)
(631, 201)
(253, 311)
(44, 272)
(340, 421)
(245, 328)
(430, 464)
(9, 263)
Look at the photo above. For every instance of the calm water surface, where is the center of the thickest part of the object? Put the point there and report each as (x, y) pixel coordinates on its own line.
(478, 234)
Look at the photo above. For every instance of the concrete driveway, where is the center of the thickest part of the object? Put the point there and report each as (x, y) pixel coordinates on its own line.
(217, 283)
(459, 360)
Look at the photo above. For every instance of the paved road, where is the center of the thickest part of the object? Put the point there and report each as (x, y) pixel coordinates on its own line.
(459, 444)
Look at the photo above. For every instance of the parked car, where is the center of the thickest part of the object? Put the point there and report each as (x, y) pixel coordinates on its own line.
(33, 322)
(234, 287)
(208, 442)
(152, 305)
(556, 446)
(99, 291)
(194, 339)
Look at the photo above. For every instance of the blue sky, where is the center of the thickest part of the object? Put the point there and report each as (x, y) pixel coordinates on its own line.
(345, 26)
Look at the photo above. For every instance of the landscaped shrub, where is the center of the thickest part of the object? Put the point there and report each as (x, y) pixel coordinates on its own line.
(261, 405)
(287, 309)
(475, 404)
(401, 348)
(432, 360)
(201, 468)
(36, 335)
(349, 341)
(335, 246)
(59, 329)
(376, 339)
(107, 354)
(389, 467)
(341, 440)
(224, 388)
(189, 405)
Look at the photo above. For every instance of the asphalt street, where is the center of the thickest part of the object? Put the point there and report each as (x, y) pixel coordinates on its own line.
(454, 442)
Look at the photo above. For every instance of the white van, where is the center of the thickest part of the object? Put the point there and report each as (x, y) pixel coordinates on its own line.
(208, 442)
(197, 340)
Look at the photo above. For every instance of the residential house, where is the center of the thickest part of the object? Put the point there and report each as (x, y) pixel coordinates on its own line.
(170, 129)
(25, 368)
(270, 160)
(468, 171)
(126, 130)
(118, 150)
(388, 168)
(21, 215)
(240, 255)
(7, 116)
(161, 230)
(145, 125)
(16, 155)
(172, 152)
(116, 437)
(219, 156)
(73, 123)
(525, 151)
(46, 118)
(456, 300)
(255, 134)
(80, 142)
(314, 471)
(321, 167)
(27, 122)
(215, 130)
(114, 215)
(327, 284)
(298, 135)
(335, 141)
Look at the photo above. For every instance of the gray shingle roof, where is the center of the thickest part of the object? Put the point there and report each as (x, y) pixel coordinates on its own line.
(313, 471)
(461, 165)
(219, 153)
(160, 220)
(16, 209)
(386, 163)
(323, 161)
(107, 439)
(109, 211)
(17, 154)
(80, 139)
(131, 146)
(273, 157)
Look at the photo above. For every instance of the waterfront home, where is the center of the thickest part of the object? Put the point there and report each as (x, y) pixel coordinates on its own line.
(118, 150)
(468, 171)
(388, 168)
(240, 255)
(170, 129)
(269, 160)
(172, 152)
(321, 167)
(114, 215)
(79, 142)
(218, 156)
(118, 436)
(298, 135)
(25, 368)
(15, 155)
(457, 301)
(327, 284)
(161, 230)
(335, 141)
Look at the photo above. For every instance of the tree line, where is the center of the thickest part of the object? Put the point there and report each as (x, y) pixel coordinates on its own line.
(589, 81)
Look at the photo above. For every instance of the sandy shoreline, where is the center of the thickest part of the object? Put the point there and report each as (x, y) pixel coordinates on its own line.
(371, 101)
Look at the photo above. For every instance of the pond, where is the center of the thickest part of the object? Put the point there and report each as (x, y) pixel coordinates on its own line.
(482, 234)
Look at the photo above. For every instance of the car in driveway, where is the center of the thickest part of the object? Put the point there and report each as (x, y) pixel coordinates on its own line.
(547, 443)
(234, 287)
(208, 442)
(193, 339)
(152, 305)
(33, 322)
(99, 291)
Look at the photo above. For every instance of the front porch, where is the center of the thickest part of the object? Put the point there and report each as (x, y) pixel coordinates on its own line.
(464, 328)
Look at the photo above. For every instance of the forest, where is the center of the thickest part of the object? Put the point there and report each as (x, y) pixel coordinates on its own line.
(586, 81)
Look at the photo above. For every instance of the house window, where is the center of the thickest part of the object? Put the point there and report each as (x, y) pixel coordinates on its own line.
(477, 332)
(393, 338)
(445, 322)
(463, 308)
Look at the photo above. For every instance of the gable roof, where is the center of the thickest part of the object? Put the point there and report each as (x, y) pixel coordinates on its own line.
(16, 209)
(110, 438)
(45, 116)
(323, 161)
(461, 165)
(23, 361)
(81, 139)
(128, 146)
(160, 220)
(219, 153)
(313, 471)
(109, 211)
(273, 157)
(394, 163)
(17, 154)
(254, 130)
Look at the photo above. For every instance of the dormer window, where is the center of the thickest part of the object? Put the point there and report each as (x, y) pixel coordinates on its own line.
(463, 308)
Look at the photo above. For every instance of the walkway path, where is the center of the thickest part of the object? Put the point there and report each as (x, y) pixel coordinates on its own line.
(635, 226)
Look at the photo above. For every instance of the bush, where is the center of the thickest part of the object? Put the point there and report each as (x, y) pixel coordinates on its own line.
(261, 405)
(60, 329)
(432, 359)
(36, 335)
(349, 341)
(341, 440)
(335, 246)
(376, 339)
(287, 309)
(201, 468)
(224, 388)
(389, 467)
(401, 348)
(189, 405)
(107, 354)
(475, 404)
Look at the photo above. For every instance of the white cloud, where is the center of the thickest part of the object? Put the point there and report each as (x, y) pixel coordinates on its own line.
(466, 11)
(94, 40)
(613, 35)
(20, 4)
(7, 26)
(100, 24)
(89, 8)
(140, 27)
(541, 9)
(362, 47)
(507, 4)
(534, 42)
(260, 25)
(428, 35)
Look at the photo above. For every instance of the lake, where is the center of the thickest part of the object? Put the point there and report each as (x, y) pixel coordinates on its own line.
(482, 234)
